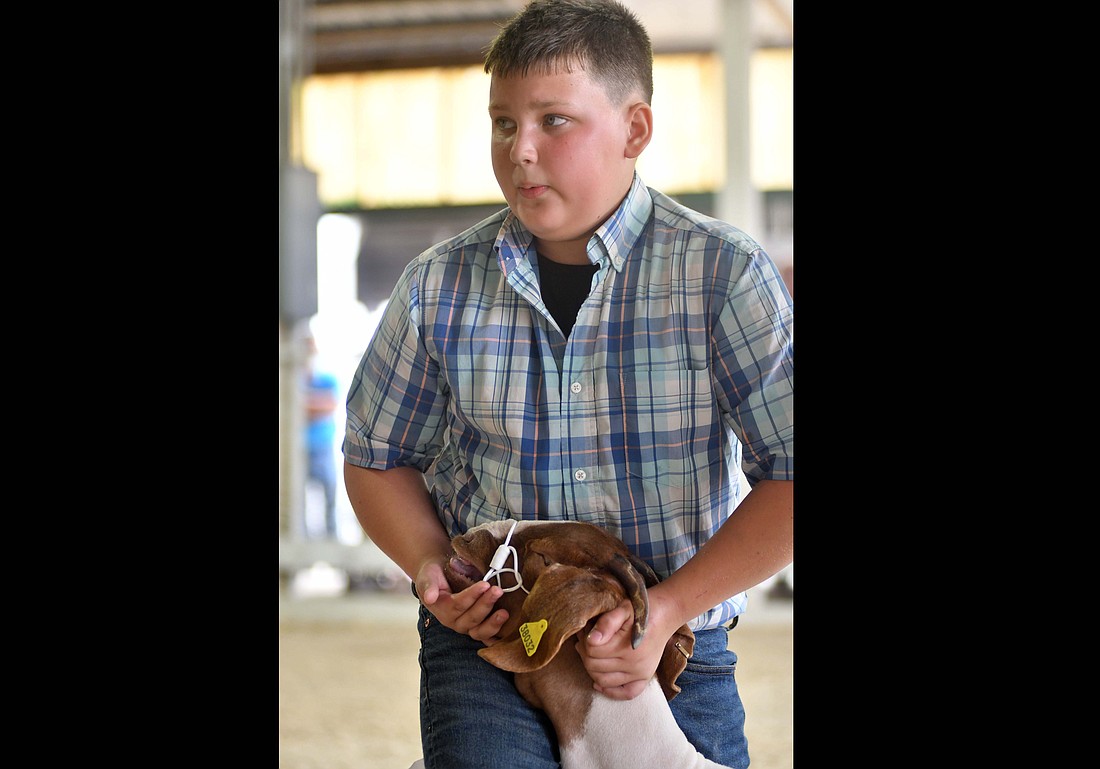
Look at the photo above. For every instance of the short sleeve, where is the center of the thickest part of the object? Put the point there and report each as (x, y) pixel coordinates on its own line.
(396, 402)
(754, 368)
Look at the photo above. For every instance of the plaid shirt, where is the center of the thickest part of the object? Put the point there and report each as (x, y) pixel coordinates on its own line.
(678, 375)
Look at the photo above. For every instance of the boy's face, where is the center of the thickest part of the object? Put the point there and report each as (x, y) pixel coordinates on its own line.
(563, 155)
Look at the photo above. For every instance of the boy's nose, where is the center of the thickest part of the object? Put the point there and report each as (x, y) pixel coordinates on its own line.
(523, 148)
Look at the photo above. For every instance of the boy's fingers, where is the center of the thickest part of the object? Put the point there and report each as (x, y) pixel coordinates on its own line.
(489, 628)
(610, 623)
(480, 592)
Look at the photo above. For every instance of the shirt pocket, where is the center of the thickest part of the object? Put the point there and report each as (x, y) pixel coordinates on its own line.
(668, 418)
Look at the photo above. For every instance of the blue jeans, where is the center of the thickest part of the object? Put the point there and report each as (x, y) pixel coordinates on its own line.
(472, 717)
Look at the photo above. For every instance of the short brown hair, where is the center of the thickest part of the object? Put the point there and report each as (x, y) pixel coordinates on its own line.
(602, 37)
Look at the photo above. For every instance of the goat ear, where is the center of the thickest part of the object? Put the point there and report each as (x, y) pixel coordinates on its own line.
(674, 659)
(562, 601)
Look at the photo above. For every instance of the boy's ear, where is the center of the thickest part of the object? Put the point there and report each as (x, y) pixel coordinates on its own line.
(641, 129)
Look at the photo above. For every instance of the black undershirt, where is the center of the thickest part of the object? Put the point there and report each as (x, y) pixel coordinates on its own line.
(564, 288)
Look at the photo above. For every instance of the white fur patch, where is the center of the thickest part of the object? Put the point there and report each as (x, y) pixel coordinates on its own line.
(628, 734)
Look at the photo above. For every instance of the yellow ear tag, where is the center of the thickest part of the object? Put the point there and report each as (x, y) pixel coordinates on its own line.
(531, 634)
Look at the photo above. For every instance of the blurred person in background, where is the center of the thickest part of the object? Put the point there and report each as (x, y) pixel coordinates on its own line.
(595, 351)
(321, 400)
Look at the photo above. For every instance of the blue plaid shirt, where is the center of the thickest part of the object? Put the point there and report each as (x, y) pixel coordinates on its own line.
(679, 374)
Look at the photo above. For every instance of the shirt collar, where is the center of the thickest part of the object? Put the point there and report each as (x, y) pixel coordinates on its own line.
(615, 238)
(621, 231)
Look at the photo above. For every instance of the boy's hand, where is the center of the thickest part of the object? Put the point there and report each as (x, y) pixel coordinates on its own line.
(619, 671)
(469, 612)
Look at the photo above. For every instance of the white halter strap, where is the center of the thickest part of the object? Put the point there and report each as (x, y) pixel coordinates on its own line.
(500, 557)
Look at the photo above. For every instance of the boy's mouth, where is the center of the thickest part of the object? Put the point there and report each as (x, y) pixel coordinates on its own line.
(533, 191)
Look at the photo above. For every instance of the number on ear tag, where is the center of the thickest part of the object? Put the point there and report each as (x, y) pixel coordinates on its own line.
(531, 633)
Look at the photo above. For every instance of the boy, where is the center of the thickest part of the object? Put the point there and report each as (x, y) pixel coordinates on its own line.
(594, 351)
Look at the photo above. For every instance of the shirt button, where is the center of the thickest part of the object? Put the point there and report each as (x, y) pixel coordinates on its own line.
(575, 387)
(580, 475)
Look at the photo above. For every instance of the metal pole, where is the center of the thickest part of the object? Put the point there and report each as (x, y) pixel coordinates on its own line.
(739, 201)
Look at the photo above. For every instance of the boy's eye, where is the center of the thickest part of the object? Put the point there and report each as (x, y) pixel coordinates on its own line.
(502, 124)
(555, 120)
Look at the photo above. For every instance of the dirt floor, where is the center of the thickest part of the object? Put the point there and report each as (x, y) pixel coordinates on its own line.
(348, 681)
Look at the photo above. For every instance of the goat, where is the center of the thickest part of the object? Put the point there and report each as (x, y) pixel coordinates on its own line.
(571, 573)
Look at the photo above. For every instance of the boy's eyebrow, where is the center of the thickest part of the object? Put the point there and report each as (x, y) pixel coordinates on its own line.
(533, 105)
